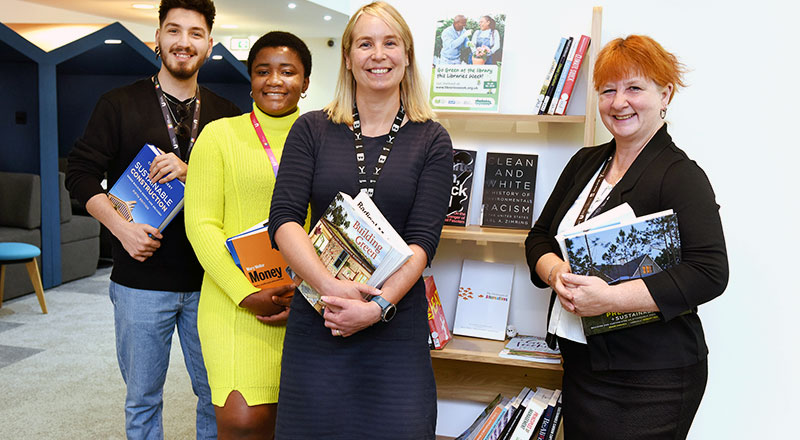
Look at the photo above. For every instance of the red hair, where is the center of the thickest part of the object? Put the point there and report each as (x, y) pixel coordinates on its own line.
(638, 55)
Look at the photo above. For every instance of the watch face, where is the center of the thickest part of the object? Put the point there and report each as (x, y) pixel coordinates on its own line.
(388, 313)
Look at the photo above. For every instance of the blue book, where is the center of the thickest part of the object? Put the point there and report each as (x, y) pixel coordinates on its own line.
(139, 200)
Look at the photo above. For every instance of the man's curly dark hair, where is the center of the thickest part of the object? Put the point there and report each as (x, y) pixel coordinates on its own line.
(204, 7)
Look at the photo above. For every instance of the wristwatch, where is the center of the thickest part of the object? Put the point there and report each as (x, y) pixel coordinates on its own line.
(388, 309)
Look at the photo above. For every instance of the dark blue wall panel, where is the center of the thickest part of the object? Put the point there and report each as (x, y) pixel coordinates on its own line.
(238, 94)
(19, 147)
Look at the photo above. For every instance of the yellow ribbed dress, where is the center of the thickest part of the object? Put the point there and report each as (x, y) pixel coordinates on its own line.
(228, 189)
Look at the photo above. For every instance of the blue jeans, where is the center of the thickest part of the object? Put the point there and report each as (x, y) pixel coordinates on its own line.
(144, 321)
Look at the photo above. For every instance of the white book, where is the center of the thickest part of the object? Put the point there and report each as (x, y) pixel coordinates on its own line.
(533, 412)
(484, 294)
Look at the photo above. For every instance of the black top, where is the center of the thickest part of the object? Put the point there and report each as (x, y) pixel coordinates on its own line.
(662, 177)
(123, 120)
(351, 384)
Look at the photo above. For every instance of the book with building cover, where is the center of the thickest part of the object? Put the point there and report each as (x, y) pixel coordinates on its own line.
(355, 242)
(252, 251)
(509, 184)
(139, 200)
(463, 170)
(467, 62)
(620, 252)
(484, 294)
(440, 333)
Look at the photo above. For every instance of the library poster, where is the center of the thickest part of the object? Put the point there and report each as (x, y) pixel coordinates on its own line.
(467, 61)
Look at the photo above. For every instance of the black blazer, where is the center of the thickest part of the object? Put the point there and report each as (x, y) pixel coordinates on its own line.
(662, 177)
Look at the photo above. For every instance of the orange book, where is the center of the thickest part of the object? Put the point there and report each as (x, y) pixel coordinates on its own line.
(252, 251)
(440, 333)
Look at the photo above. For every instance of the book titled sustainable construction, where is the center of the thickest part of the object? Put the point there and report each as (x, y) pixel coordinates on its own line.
(139, 200)
(252, 251)
(355, 242)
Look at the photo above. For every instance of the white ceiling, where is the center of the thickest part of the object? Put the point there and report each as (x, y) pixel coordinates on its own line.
(253, 17)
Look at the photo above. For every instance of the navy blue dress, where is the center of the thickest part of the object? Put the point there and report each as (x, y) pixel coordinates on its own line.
(378, 383)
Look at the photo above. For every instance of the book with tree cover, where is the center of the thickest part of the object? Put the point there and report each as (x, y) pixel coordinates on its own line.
(252, 251)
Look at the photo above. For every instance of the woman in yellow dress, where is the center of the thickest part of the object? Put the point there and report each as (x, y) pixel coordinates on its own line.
(228, 189)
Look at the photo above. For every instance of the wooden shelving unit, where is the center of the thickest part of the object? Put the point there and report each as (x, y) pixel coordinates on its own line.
(484, 235)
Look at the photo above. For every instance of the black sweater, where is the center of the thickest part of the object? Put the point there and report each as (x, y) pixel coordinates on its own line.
(123, 120)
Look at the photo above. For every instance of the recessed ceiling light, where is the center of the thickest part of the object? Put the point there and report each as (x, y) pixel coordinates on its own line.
(216, 57)
(229, 26)
(143, 6)
(292, 5)
(327, 18)
(113, 41)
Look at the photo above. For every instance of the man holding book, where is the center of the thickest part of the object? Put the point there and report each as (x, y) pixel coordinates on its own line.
(156, 277)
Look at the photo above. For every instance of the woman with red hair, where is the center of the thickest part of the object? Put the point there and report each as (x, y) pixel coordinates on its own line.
(645, 381)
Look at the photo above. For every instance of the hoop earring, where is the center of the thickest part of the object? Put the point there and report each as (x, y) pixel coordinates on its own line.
(158, 52)
(663, 113)
(251, 93)
(303, 95)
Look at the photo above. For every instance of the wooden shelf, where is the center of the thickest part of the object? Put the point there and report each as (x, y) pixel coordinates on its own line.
(502, 122)
(483, 235)
(483, 116)
(470, 369)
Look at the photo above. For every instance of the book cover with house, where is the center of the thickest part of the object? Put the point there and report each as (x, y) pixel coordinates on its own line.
(460, 194)
(509, 184)
(467, 61)
(355, 242)
(139, 200)
(631, 250)
(484, 294)
(252, 251)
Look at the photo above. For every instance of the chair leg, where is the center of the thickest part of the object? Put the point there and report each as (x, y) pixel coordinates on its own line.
(2, 282)
(36, 279)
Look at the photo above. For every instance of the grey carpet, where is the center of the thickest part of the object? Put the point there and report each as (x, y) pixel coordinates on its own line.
(59, 377)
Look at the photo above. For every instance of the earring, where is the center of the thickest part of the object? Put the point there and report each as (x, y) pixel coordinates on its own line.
(158, 52)
(251, 93)
(303, 95)
(663, 113)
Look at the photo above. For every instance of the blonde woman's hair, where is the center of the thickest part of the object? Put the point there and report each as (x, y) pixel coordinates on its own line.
(412, 94)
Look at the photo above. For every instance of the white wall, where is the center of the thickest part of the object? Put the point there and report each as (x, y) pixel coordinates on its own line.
(735, 120)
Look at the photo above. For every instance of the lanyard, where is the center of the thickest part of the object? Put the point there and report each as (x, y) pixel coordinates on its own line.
(363, 183)
(264, 142)
(593, 193)
(168, 120)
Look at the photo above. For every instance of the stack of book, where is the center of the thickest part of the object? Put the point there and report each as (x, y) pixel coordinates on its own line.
(530, 415)
(530, 348)
(560, 79)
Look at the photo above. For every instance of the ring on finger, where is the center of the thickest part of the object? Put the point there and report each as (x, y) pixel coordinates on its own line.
(337, 332)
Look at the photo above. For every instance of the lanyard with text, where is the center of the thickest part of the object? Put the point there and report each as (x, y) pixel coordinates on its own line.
(593, 193)
(168, 119)
(263, 138)
(363, 183)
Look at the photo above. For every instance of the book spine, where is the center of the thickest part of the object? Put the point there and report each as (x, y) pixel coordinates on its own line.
(554, 424)
(548, 97)
(490, 421)
(572, 75)
(548, 414)
(549, 75)
(562, 79)
(512, 423)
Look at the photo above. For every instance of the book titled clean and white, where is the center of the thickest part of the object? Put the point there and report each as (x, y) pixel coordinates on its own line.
(484, 295)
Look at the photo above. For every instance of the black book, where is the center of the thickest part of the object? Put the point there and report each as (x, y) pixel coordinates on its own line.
(515, 418)
(547, 417)
(555, 422)
(548, 97)
(508, 188)
(463, 170)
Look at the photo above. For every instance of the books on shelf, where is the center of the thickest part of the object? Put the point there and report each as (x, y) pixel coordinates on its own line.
(484, 294)
(562, 59)
(572, 75)
(355, 242)
(252, 251)
(530, 348)
(509, 184)
(549, 77)
(467, 65)
(618, 248)
(472, 431)
(460, 194)
(439, 331)
(139, 200)
(514, 413)
(531, 417)
(561, 77)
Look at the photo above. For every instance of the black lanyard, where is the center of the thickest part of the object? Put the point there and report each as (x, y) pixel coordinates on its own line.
(593, 192)
(363, 183)
(168, 120)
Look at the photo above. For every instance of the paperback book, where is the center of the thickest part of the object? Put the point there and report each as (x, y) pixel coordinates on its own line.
(572, 75)
(467, 62)
(440, 333)
(472, 431)
(509, 184)
(252, 251)
(355, 242)
(484, 294)
(463, 170)
(139, 200)
(530, 348)
(620, 252)
(531, 417)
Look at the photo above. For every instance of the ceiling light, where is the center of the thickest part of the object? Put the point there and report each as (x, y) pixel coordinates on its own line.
(292, 5)
(216, 57)
(327, 18)
(113, 41)
(143, 6)
(229, 26)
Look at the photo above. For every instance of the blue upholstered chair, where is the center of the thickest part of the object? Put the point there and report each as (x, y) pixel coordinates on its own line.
(12, 253)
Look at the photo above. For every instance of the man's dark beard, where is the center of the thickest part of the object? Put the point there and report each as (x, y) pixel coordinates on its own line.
(182, 73)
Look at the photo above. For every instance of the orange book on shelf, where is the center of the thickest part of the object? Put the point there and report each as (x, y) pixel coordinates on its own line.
(440, 333)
